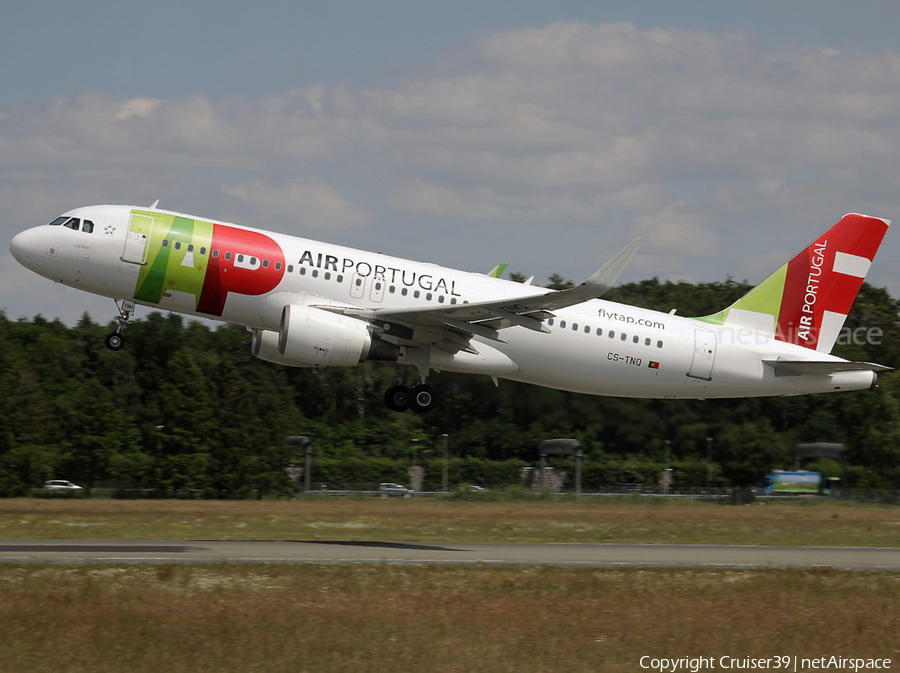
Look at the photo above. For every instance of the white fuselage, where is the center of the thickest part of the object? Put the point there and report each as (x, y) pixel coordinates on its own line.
(597, 347)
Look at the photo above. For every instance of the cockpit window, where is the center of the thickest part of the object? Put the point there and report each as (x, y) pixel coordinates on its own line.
(74, 224)
(88, 227)
(58, 221)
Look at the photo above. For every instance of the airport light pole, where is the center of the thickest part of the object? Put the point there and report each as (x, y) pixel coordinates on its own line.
(708, 462)
(444, 479)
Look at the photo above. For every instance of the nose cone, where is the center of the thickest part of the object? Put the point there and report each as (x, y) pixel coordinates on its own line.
(24, 246)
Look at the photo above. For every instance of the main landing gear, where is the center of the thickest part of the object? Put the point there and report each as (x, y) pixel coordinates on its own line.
(116, 341)
(420, 398)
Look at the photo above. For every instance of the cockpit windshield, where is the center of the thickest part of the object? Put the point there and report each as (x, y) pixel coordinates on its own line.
(74, 224)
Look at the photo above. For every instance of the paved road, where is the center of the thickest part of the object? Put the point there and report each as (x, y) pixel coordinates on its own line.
(597, 555)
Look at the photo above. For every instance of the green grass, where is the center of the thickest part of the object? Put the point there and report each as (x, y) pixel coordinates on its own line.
(815, 522)
(415, 618)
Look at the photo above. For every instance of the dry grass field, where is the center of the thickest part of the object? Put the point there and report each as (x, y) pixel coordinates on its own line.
(413, 618)
(186, 617)
(816, 522)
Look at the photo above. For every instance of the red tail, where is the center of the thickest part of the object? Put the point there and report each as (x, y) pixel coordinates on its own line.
(822, 281)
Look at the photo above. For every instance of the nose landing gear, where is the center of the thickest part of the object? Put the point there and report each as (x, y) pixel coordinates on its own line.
(115, 341)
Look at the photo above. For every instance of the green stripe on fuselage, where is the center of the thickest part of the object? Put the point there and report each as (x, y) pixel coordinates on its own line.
(179, 265)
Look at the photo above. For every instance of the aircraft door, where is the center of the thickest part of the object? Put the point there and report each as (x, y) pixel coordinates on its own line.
(137, 239)
(704, 355)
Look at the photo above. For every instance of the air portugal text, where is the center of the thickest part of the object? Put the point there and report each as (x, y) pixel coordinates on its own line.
(812, 289)
(388, 274)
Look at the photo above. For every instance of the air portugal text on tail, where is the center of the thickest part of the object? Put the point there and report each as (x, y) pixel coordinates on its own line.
(314, 304)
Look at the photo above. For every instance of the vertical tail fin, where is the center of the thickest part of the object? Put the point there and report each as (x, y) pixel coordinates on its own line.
(806, 301)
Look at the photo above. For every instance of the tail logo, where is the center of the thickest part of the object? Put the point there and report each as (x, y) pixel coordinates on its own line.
(806, 301)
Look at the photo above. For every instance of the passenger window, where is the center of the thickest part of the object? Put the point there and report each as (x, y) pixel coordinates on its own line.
(215, 253)
(340, 277)
(377, 286)
(190, 247)
(165, 243)
(240, 258)
(227, 256)
(574, 326)
(265, 264)
(416, 294)
(178, 245)
(278, 267)
(392, 289)
(612, 334)
(202, 250)
(452, 300)
(428, 296)
(587, 329)
(624, 336)
(562, 324)
(636, 338)
(647, 341)
(315, 273)
(659, 344)
(404, 291)
(440, 299)
(327, 275)
(88, 227)
(599, 331)
(290, 268)
(550, 322)
(253, 261)
(302, 270)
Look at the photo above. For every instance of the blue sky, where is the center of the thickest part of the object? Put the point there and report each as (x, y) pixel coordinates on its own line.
(465, 133)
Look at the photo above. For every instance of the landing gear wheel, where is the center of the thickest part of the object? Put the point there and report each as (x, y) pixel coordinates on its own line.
(397, 398)
(115, 341)
(422, 398)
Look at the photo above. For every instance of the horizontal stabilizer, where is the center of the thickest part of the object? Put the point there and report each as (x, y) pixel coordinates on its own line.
(823, 368)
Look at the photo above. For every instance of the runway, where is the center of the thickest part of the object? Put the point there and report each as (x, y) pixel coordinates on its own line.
(587, 555)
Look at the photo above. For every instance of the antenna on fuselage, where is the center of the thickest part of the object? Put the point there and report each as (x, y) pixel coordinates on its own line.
(154, 204)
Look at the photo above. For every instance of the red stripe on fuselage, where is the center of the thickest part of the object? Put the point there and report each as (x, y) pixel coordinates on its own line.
(228, 275)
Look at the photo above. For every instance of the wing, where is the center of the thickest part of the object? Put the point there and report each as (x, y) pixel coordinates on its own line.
(451, 327)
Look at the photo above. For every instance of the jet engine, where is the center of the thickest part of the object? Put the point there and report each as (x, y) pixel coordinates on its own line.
(311, 337)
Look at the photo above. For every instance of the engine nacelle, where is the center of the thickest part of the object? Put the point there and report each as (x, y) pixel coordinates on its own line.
(311, 337)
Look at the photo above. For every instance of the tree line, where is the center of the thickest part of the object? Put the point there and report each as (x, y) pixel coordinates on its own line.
(187, 407)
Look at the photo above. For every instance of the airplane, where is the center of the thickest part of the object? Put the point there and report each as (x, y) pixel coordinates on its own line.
(314, 304)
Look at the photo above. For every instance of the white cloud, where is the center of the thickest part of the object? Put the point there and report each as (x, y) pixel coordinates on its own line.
(308, 202)
(676, 229)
